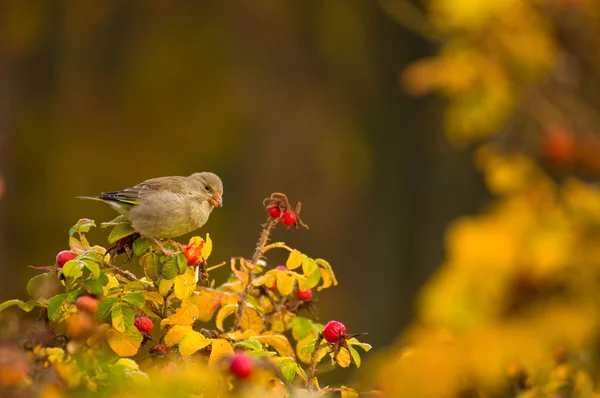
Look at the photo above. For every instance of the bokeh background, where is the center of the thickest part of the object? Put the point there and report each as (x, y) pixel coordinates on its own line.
(301, 97)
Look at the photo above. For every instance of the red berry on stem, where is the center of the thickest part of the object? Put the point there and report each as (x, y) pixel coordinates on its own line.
(274, 211)
(86, 303)
(281, 268)
(143, 324)
(241, 365)
(333, 330)
(288, 218)
(158, 349)
(304, 295)
(63, 257)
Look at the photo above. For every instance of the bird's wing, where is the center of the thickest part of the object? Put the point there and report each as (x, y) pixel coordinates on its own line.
(134, 195)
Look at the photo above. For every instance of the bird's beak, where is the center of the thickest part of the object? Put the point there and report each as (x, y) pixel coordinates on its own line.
(216, 200)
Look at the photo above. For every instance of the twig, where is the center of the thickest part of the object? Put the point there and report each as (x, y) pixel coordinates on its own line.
(313, 363)
(260, 245)
(128, 275)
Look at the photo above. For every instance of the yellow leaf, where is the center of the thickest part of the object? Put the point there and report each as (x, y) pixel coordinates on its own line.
(238, 335)
(112, 282)
(220, 348)
(343, 358)
(175, 335)
(252, 320)
(191, 342)
(278, 342)
(303, 353)
(164, 286)
(153, 297)
(207, 302)
(185, 284)
(294, 260)
(224, 313)
(347, 392)
(285, 282)
(124, 344)
(128, 363)
(308, 266)
(183, 316)
(207, 249)
(267, 279)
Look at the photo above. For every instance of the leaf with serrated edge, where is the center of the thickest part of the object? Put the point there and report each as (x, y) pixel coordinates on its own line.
(175, 334)
(136, 299)
(191, 342)
(54, 305)
(183, 316)
(105, 307)
(124, 344)
(278, 342)
(288, 366)
(294, 259)
(123, 317)
(285, 282)
(252, 320)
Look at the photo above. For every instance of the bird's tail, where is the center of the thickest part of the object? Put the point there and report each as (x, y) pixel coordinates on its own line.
(120, 207)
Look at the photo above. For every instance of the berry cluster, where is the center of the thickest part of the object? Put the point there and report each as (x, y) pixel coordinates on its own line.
(279, 208)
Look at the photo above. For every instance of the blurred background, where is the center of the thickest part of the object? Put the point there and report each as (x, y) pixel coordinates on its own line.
(300, 97)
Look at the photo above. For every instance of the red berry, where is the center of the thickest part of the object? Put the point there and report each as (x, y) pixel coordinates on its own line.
(158, 349)
(143, 324)
(281, 268)
(241, 365)
(274, 211)
(86, 303)
(288, 218)
(333, 330)
(63, 257)
(304, 295)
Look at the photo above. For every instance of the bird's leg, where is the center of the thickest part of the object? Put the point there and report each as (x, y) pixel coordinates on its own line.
(163, 249)
(174, 243)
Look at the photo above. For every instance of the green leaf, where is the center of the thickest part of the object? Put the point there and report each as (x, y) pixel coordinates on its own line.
(92, 256)
(55, 303)
(82, 226)
(93, 267)
(36, 281)
(24, 305)
(94, 287)
(122, 317)
(103, 279)
(140, 246)
(181, 263)
(73, 268)
(313, 279)
(119, 232)
(288, 367)
(134, 286)
(309, 266)
(170, 269)
(105, 307)
(355, 356)
(250, 345)
(151, 266)
(301, 327)
(136, 299)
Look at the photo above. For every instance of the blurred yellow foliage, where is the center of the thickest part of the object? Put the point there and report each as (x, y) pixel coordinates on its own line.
(520, 281)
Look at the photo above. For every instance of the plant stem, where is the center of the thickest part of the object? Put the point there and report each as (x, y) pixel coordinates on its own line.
(260, 245)
(313, 363)
(127, 275)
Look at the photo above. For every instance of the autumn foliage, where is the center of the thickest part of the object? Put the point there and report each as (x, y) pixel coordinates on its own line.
(168, 326)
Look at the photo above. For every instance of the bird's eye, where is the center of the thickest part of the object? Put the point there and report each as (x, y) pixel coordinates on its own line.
(207, 188)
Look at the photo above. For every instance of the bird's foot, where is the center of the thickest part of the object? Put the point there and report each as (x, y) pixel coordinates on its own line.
(164, 250)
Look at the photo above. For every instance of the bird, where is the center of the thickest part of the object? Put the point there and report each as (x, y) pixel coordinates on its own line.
(167, 207)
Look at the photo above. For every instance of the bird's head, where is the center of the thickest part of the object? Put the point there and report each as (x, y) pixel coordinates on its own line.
(211, 187)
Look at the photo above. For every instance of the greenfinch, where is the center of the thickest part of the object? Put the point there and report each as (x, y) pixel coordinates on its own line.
(167, 207)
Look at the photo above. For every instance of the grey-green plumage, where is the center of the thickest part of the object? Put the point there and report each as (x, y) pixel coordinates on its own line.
(167, 207)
